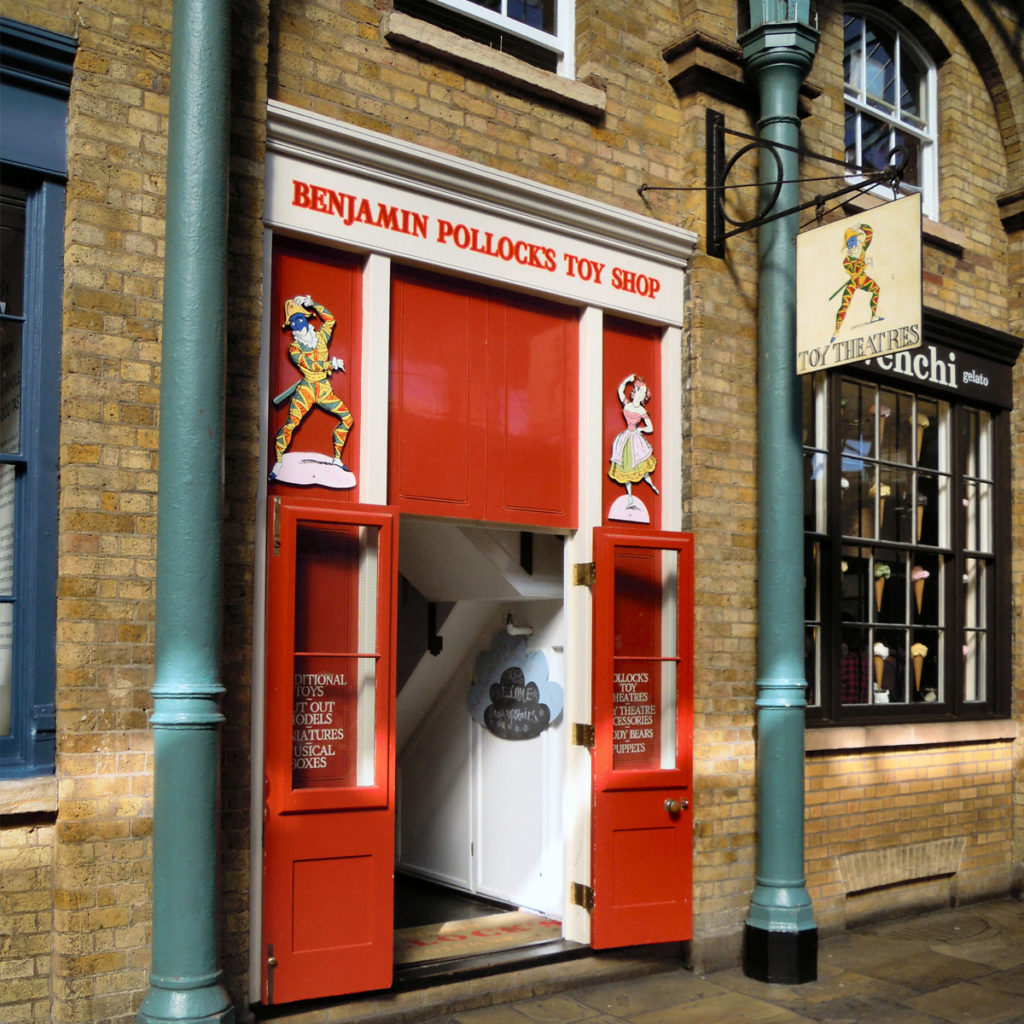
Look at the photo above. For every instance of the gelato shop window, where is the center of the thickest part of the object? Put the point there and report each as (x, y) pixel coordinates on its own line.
(905, 497)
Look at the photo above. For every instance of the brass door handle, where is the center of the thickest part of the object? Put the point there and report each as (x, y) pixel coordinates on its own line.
(675, 806)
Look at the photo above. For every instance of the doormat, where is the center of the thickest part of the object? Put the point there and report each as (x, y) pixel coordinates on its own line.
(470, 938)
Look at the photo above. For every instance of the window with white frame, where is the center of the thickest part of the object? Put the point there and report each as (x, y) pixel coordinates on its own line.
(539, 32)
(905, 584)
(890, 101)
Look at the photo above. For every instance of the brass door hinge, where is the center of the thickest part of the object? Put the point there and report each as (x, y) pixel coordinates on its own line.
(582, 735)
(277, 526)
(581, 896)
(584, 574)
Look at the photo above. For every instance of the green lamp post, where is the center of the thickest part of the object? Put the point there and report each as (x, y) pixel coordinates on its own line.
(184, 982)
(781, 939)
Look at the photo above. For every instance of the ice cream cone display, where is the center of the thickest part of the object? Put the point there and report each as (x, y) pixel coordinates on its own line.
(882, 573)
(922, 502)
(884, 412)
(881, 652)
(917, 577)
(918, 652)
(883, 491)
(922, 422)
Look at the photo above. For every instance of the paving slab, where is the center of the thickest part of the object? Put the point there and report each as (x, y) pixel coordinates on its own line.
(729, 1006)
(833, 984)
(960, 966)
(930, 972)
(1011, 981)
(561, 1009)
(623, 999)
(967, 1003)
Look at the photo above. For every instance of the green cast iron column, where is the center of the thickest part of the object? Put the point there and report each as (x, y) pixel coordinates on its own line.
(781, 939)
(185, 977)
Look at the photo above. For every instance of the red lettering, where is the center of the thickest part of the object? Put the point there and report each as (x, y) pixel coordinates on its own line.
(638, 284)
(319, 199)
(444, 230)
(300, 195)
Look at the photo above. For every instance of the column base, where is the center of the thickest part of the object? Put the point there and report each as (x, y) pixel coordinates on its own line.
(780, 958)
(205, 1005)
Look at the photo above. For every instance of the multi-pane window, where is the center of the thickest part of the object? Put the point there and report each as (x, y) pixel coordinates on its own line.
(900, 560)
(33, 132)
(12, 318)
(539, 32)
(890, 102)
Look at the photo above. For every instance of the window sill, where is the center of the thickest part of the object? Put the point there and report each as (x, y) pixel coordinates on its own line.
(838, 739)
(23, 797)
(402, 30)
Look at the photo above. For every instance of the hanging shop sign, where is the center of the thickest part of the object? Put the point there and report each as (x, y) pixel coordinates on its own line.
(968, 374)
(438, 230)
(859, 287)
(511, 695)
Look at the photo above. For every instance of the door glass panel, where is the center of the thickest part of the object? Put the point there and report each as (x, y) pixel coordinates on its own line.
(336, 657)
(646, 668)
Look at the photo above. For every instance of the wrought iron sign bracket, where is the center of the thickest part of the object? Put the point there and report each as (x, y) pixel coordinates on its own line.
(717, 171)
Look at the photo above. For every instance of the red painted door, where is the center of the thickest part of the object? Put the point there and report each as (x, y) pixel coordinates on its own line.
(642, 856)
(328, 879)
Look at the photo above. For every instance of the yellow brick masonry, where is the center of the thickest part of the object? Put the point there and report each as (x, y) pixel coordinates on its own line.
(113, 282)
(875, 801)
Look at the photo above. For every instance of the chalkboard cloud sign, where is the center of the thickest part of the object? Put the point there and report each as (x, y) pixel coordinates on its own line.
(511, 695)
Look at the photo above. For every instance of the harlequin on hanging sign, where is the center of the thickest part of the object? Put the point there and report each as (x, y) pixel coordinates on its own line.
(859, 287)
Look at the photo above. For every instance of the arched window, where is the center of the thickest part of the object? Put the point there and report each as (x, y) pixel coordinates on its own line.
(890, 101)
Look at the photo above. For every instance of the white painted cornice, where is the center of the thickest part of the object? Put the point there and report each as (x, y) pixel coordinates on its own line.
(331, 143)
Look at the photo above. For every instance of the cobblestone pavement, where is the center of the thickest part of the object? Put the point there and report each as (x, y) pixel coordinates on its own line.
(961, 966)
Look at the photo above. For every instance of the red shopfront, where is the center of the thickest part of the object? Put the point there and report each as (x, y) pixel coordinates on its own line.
(477, 670)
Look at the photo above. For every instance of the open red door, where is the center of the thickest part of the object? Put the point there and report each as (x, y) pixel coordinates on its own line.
(329, 790)
(642, 853)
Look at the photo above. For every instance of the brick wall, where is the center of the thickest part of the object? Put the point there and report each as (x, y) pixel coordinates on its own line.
(117, 122)
(26, 867)
(878, 820)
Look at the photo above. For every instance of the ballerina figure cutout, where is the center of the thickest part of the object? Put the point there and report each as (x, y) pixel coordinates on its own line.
(632, 456)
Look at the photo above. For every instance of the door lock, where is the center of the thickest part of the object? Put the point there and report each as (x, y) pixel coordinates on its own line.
(675, 806)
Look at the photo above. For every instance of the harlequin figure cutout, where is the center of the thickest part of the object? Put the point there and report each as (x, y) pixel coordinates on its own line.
(310, 353)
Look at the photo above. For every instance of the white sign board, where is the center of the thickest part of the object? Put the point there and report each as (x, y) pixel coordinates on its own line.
(380, 216)
(858, 292)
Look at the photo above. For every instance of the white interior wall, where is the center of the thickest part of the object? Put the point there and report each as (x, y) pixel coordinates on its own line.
(478, 812)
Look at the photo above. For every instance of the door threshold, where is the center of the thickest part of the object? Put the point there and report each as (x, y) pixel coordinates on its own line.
(541, 971)
(463, 968)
